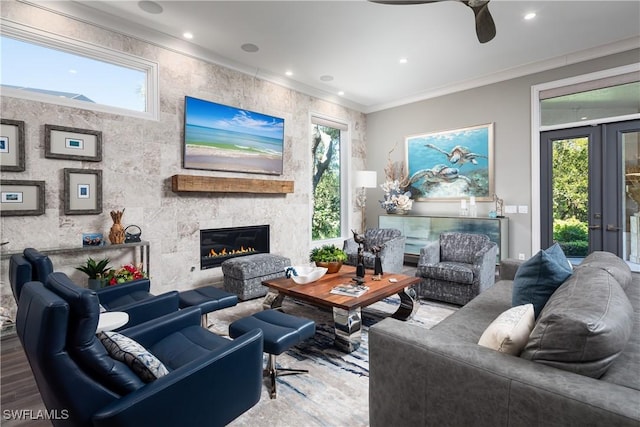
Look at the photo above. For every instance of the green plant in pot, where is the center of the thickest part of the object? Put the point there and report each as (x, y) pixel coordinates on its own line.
(97, 272)
(329, 256)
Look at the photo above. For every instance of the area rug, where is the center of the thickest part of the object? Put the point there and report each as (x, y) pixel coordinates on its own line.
(335, 392)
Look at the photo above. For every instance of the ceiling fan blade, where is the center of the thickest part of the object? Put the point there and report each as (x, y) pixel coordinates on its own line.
(485, 27)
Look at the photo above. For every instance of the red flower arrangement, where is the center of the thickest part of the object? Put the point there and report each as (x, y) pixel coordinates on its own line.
(126, 273)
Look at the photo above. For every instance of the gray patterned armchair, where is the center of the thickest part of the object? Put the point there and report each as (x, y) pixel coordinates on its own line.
(457, 267)
(392, 254)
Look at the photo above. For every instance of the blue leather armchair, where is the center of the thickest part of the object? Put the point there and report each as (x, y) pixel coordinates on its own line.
(211, 379)
(133, 298)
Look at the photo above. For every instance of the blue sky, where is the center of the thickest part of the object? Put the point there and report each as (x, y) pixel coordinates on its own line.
(33, 66)
(218, 116)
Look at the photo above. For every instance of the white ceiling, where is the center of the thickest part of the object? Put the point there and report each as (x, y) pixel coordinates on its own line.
(360, 43)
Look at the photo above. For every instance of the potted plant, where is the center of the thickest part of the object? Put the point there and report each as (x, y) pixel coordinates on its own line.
(329, 256)
(96, 270)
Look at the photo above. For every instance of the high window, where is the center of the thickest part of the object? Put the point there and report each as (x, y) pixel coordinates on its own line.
(329, 149)
(69, 72)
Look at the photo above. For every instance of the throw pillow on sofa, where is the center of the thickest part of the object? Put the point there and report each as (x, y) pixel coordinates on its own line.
(139, 359)
(509, 332)
(584, 326)
(538, 277)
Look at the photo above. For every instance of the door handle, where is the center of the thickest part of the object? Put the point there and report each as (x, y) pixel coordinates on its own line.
(595, 227)
(611, 227)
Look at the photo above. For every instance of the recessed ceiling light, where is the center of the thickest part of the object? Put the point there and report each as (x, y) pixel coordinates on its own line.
(326, 78)
(250, 47)
(150, 7)
(530, 16)
(72, 71)
(403, 60)
(289, 73)
(584, 118)
(341, 93)
(187, 35)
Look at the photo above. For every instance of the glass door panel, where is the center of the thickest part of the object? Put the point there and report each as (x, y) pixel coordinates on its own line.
(631, 199)
(570, 190)
(590, 189)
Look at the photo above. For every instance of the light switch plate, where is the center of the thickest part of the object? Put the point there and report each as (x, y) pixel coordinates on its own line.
(510, 209)
(523, 209)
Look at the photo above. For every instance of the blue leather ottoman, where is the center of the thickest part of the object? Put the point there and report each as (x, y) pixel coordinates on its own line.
(280, 331)
(208, 299)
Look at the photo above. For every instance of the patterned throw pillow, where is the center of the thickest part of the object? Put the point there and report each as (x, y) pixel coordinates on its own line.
(128, 351)
(509, 332)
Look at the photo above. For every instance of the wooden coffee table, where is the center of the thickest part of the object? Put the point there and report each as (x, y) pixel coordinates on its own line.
(346, 309)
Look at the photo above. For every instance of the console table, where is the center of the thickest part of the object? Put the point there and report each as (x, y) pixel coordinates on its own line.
(142, 245)
(420, 229)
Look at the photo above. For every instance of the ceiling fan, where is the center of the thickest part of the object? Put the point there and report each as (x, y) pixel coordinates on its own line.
(485, 27)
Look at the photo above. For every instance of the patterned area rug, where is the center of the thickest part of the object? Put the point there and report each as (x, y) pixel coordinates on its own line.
(335, 392)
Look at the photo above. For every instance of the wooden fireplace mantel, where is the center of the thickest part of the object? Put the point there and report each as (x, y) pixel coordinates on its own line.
(211, 184)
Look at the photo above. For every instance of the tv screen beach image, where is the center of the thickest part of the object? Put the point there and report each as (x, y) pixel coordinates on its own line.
(220, 137)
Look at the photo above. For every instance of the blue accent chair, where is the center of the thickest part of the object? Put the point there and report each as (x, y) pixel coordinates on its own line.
(211, 380)
(133, 297)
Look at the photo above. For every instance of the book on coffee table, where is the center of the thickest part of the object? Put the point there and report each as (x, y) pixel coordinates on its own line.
(350, 290)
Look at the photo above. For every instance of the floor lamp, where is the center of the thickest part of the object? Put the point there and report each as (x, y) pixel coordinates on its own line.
(364, 180)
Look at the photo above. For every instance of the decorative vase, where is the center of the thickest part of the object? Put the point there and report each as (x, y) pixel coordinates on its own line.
(332, 267)
(116, 233)
(94, 284)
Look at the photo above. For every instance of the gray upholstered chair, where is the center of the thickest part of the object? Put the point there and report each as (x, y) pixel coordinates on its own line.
(457, 267)
(390, 240)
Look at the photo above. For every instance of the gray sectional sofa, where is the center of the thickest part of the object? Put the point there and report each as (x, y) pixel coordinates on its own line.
(442, 377)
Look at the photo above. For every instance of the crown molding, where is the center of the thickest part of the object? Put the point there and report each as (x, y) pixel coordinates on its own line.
(83, 13)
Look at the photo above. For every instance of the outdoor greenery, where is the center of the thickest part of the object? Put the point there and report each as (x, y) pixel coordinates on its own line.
(572, 235)
(327, 253)
(570, 195)
(326, 183)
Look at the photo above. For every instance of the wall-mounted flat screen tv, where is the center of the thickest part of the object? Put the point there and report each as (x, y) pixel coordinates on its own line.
(224, 138)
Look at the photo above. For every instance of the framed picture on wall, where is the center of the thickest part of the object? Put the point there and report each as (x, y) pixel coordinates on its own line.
(72, 143)
(83, 191)
(11, 145)
(21, 197)
(451, 165)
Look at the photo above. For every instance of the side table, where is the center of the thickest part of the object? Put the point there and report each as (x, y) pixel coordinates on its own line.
(110, 320)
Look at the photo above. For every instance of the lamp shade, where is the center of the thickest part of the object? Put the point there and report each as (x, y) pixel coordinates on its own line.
(366, 179)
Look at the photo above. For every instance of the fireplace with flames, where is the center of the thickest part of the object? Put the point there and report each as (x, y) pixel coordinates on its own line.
(220, 244)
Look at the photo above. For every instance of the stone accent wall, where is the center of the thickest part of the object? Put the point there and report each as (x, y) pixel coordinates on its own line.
(140, 156)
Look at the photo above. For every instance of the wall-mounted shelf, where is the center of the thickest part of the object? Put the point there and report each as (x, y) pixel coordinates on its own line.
(210, 184)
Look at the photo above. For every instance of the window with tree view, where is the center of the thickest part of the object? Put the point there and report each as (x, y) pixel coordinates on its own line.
(327, 211)
(570, 195)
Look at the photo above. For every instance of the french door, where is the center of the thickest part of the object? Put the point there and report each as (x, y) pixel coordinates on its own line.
(590, 189)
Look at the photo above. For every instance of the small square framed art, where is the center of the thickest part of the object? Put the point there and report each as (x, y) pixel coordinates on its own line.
(83, 191)
(11, 145)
